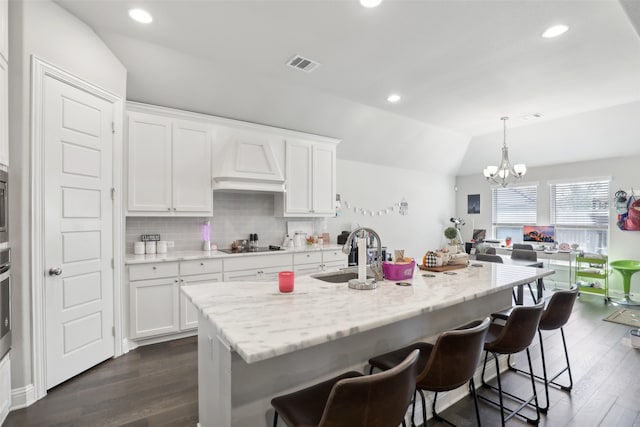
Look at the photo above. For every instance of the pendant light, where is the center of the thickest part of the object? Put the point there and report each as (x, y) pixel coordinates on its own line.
(505, 173)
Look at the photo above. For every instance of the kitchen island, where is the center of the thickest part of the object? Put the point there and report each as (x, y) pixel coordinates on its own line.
(255, 343)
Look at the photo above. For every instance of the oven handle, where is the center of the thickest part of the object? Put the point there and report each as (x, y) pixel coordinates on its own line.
(4, 268)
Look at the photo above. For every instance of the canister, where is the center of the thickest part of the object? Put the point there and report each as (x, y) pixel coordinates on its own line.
(161, 247)
(138, 248)
(150, 248)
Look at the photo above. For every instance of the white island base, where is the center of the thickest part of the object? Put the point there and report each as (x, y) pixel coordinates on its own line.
(253, 385)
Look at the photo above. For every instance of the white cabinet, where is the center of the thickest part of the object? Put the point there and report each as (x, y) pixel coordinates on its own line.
(4, 30)
(156, 305)
(4, 113)
(310, 169)
(259, 267)
(169, 166)
(317, 261)
(153, 299)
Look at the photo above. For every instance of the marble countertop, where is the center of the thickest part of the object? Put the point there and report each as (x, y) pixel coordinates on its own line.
(259, 323)
(191, 255)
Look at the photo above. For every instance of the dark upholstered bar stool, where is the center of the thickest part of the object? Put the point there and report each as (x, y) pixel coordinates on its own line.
(490, 251)
(526, 255)
(352, 399)
(443, 366)
(555, 316)
(513, 337)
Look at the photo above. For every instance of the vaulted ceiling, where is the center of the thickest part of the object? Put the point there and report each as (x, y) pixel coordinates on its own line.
(458, 66)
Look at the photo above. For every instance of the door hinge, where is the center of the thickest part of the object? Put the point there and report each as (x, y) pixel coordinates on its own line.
(113, 127)
(112, 264)
(113, 193)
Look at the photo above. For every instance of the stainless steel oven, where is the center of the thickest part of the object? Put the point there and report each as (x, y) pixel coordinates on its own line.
(5, 302)
(4, 207)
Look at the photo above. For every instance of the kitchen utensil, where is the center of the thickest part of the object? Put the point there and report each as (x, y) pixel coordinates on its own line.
(300, 239)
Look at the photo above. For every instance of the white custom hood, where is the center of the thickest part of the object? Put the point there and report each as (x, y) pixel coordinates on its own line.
(247, 160)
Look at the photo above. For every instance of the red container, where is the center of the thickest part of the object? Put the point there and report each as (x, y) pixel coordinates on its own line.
(398, 271)
(285, 281)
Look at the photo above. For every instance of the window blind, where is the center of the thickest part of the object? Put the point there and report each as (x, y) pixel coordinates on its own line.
(514, 205)
(580, 204)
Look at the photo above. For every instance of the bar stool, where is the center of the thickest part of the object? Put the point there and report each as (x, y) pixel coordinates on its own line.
(555, 316)
(352, 399)
(443, 366)
(513, 337)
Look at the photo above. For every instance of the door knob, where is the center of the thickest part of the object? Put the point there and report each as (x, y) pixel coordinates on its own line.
(55, 271)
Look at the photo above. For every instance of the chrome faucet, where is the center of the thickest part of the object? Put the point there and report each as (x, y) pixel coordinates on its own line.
(376, 266)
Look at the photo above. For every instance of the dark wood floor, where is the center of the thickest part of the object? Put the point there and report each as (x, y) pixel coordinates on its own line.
(157, 385)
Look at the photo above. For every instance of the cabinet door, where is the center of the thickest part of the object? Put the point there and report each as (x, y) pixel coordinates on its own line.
(4, 113)
(153, 307)
(149, 163)
(4, 29)
(324, 179)
(188, 311)
(191, 153)
(298, 166)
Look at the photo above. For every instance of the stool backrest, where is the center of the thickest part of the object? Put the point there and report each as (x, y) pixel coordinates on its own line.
(490, 251)
(559, 309)
(519, 330)
(525, 246)
(489, 258)
(378, 400)
(454, 358)
(524, 254)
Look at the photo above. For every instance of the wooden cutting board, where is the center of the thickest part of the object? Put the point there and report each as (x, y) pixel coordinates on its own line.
(443, 268)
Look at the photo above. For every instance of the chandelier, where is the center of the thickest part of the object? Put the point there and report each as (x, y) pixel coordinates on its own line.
(505, 173)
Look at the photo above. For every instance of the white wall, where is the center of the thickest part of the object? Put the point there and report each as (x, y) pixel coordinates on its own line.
(624, 172)
(430, 197)
(43, 29)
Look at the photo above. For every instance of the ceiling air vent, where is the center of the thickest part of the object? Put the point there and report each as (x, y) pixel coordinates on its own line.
(301, 63)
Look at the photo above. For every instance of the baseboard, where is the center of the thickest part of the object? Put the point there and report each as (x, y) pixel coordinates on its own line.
(129, 344)
(23, 397)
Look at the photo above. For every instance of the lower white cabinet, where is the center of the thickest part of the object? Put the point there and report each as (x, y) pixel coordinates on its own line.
(315, 262)
(156, 305)
(259, 267)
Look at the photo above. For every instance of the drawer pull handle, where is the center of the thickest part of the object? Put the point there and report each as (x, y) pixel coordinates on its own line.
(154, 267)
(202, 263)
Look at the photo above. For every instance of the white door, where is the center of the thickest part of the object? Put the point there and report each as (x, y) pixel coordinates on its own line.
(78, 230)
(191, 158)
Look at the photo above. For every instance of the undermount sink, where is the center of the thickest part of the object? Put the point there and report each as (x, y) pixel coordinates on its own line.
(338, 277)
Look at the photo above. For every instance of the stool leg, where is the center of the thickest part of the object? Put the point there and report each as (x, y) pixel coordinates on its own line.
(544, 408)
(472, 386)
(495, 356)
(424, 408)
(275, 419)
(535, 394)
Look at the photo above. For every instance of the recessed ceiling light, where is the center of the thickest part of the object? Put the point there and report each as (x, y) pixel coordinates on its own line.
(555, 31)
(394, 97)
(140, 15)
(370, 3)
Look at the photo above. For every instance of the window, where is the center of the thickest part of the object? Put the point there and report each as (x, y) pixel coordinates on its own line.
(513, 207)
(580, 212)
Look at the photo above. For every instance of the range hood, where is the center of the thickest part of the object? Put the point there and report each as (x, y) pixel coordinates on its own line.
(248, 161)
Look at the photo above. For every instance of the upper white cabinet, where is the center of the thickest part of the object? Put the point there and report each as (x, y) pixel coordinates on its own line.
(169, 166)
(310, 169)
(4, 29)
(247, 159)
(4, 113)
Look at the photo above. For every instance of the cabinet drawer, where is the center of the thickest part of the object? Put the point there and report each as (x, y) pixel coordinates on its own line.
(260, 261)
(254, 275)
(334, 265)
(201, 266)
(307, 258)
(202, 278)
(153, 271)
(334, 255)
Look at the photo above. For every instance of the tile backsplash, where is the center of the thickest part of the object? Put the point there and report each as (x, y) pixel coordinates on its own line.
(235, 215)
